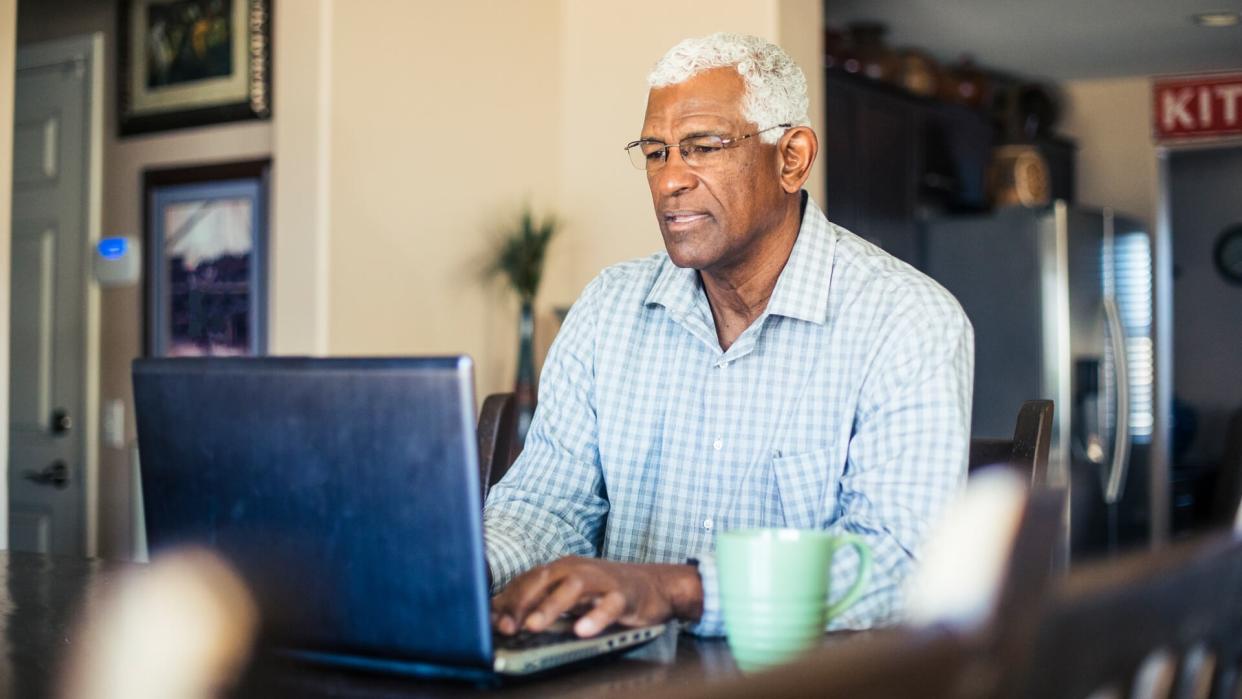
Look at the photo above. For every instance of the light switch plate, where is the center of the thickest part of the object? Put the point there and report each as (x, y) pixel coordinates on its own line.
(114, 424)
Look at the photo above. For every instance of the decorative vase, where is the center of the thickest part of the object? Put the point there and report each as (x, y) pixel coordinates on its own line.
(524, 390)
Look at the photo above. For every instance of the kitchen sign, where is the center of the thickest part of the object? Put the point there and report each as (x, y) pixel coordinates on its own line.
(1198, 107)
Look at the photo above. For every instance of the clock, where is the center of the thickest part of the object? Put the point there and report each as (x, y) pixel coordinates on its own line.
(1228, 254)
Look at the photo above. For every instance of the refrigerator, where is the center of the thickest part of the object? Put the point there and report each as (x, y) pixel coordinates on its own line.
(1061, 300)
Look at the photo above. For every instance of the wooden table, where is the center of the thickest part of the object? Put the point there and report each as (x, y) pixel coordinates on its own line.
(42, 596)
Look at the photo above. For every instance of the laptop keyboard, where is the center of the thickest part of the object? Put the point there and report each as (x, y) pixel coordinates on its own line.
(526, 640)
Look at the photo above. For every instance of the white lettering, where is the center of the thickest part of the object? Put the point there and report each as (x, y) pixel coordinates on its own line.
(1174, 114)
(1229, 96)
(1205, 108)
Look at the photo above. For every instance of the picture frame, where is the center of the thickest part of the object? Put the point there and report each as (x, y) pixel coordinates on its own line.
(205, 259)
(186, 63)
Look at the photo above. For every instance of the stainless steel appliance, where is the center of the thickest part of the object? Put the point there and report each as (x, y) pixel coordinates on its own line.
(1061, 302)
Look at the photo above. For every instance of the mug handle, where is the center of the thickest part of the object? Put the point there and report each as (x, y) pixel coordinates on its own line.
(864, 572)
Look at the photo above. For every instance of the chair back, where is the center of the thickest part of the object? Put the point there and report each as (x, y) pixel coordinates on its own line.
(1027, 451)
(498, 447)
(1159, 624)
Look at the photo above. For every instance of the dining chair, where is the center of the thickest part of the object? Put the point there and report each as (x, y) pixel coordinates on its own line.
(498, 447)
(1156, 624)
(1027, 451)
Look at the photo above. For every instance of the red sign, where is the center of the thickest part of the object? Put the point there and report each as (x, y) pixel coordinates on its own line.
(1198, 107)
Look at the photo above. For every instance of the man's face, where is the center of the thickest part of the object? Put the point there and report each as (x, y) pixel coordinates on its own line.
(711, 217)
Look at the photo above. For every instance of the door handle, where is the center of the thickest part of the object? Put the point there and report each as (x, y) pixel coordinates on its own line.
(61, 422)
(1121, 446)
(55, 474)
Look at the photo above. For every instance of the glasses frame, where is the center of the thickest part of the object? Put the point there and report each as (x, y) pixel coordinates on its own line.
(682, 148)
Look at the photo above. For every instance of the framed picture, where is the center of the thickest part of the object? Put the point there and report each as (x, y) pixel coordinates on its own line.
(192, 62)
(206, 260)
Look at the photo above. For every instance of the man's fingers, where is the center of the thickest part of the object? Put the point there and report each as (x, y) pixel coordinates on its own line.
(607, 610)
(560, 600)
(519, 597)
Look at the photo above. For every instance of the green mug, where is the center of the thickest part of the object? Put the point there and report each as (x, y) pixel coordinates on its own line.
(774, 586)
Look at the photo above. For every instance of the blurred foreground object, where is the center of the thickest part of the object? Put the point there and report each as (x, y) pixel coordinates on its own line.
(181, 628)
(966, 558)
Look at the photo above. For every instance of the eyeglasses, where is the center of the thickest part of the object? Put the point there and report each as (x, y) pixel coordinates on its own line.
(697, 151)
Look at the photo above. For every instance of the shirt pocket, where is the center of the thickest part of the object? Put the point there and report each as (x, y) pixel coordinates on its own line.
(804, 482)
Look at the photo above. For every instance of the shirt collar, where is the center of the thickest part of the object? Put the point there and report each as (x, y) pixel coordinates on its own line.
(801, 290)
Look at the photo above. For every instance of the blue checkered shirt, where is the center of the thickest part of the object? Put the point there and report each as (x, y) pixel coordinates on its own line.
(845, 406)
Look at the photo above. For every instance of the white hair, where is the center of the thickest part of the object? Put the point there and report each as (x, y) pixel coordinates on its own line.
(775, 85)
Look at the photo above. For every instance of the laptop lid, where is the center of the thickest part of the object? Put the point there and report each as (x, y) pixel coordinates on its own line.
(346, 491)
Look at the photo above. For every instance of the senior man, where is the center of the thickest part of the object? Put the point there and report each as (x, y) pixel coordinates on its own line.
(770, 369)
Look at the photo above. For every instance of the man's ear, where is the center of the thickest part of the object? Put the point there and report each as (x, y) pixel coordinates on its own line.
(798, 148)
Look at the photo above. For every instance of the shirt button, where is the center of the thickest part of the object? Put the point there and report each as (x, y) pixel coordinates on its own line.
(718, 444)
(708, 524)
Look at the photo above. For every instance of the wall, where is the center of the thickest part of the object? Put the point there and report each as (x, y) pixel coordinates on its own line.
(1111, 120)
(468, 112)
(8, 42)
(123, 163)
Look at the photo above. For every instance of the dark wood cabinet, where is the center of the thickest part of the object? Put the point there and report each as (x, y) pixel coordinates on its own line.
(891, 158)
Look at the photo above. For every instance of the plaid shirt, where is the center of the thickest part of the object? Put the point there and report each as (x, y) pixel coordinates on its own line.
(845, 406)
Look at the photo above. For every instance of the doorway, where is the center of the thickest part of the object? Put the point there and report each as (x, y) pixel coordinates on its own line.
(1205, 218)
(53, 375)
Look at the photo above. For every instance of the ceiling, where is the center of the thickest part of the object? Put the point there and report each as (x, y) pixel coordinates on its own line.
(1058, 39)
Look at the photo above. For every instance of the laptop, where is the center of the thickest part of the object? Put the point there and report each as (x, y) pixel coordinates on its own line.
(346, 493)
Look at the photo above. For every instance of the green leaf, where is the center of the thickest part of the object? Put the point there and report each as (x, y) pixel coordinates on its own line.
(520, 253)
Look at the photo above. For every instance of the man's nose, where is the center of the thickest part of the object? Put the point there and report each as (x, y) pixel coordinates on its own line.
(675, 176)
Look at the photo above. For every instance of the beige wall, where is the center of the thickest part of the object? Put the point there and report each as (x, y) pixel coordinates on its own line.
(300, 197)
(8, 42)
(429, 158)
(1111, 120)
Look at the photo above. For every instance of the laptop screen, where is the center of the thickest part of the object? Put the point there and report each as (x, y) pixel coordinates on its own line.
(346, 491)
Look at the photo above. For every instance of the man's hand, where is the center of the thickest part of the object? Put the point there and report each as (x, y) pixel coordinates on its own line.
(604, 592)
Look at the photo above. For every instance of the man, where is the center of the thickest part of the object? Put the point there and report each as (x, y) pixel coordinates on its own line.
(771, 369)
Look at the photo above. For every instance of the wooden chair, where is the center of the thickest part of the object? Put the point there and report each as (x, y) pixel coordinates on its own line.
(1027, 451)
(498, 447)
(1161, 624)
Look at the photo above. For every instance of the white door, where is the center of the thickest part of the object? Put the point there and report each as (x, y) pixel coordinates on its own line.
(49, 299)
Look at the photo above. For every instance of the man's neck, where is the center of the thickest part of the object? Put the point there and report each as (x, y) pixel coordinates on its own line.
(740, 293)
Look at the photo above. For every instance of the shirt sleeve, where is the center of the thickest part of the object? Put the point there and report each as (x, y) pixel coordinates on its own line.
(552, 502)
(908, 451)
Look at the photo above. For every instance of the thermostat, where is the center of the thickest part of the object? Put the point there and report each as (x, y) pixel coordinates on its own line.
(118, 261)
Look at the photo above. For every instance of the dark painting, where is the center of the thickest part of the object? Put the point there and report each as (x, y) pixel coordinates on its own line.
(188, 40)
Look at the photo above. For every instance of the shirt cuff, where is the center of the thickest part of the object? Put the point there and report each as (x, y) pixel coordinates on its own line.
(711, 623)
(506, 555)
